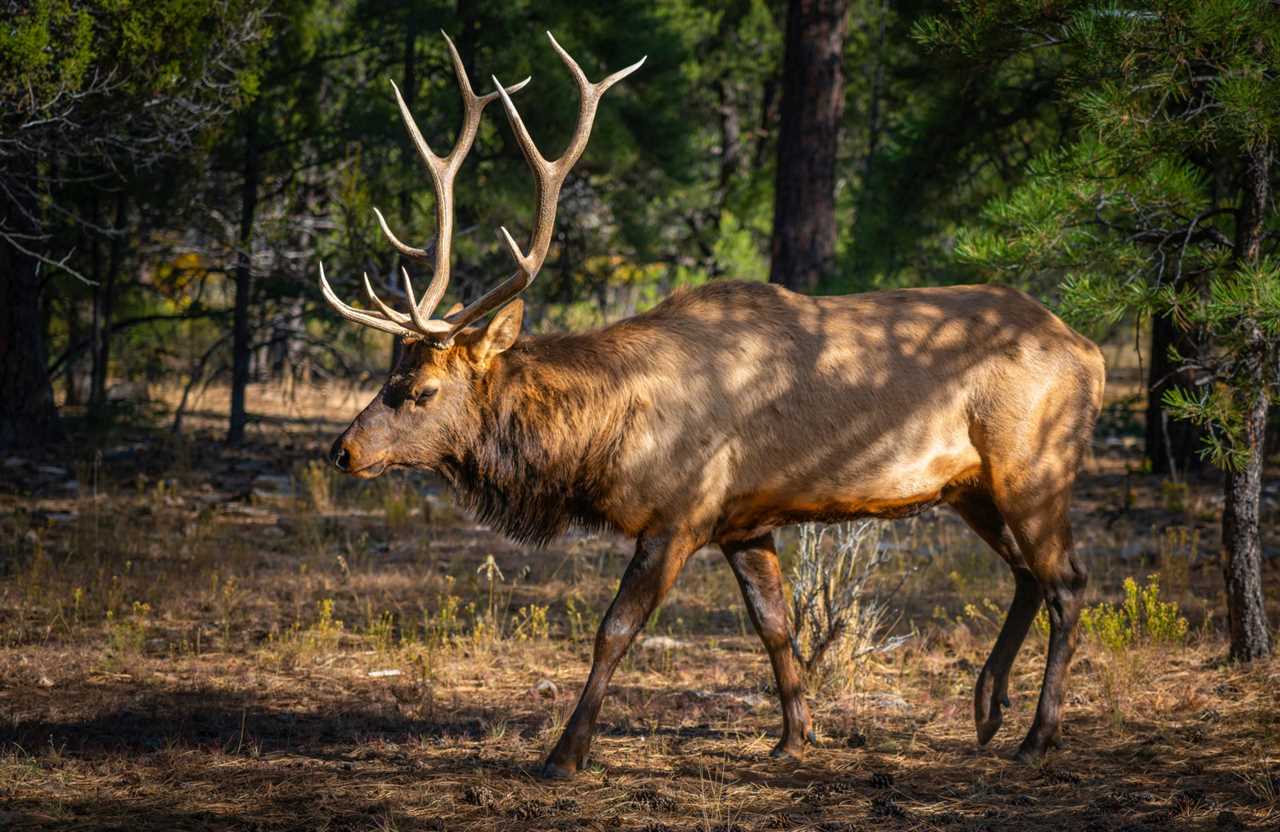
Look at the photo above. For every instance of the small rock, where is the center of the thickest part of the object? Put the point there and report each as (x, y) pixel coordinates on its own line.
(663, 643)
(890, 701)
(121, 453)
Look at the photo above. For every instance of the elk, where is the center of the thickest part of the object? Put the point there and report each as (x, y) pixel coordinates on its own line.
(729, 411)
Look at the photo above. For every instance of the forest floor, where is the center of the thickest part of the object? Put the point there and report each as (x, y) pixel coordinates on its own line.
(197, 637)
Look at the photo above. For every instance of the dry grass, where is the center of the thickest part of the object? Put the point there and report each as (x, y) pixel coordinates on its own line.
(187, 635)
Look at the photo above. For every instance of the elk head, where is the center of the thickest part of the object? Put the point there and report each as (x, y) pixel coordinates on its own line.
(430, 405)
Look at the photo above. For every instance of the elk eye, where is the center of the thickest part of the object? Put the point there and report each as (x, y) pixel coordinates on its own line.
(427, 393)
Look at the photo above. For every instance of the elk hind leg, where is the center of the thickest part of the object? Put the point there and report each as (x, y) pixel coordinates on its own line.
(1044, 536)
(755, 565)
(991, 693)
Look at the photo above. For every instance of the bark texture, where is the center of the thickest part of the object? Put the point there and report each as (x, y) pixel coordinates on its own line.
(28, 416)
(1241, 535)
(241, 349)
(804, 219)
(1242, 567)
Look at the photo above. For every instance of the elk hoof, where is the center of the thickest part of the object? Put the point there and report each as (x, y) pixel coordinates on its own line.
(787, 751)
(557, 771)
(987, 715)
(1033, 749)
(1029, 752)
(988, 727)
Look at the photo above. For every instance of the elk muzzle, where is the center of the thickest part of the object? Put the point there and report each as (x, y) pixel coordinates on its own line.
(356, 452)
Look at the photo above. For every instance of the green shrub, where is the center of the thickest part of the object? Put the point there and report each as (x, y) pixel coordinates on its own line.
(1141, 618)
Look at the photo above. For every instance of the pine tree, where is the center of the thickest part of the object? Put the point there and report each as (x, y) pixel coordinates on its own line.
(1159, 205)
(93, 93)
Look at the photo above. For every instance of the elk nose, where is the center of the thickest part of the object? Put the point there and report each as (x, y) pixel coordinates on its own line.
(340, 456)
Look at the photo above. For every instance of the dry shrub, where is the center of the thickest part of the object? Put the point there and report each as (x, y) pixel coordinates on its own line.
(840, 620)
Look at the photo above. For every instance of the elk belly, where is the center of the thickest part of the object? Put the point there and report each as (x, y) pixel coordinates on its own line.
(901, 491)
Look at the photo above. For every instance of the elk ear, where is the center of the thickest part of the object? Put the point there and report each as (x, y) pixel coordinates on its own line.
(499, 334)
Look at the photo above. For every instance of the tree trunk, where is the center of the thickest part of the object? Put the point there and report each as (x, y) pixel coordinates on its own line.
(28, 416)
(240, 346)
(72, 370)
(1242, 566)
(804, 220)
(875, 126)
(730, 141)
(103, 308)
(1172, 445)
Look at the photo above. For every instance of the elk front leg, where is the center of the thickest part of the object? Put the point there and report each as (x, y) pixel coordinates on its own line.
(755, 564)
(650, 575)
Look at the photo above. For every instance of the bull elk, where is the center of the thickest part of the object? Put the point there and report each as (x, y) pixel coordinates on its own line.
(729, 411)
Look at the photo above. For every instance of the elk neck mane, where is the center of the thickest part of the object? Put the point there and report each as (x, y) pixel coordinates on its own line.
(555, 413)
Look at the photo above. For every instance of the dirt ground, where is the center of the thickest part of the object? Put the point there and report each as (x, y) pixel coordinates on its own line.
(195, 637)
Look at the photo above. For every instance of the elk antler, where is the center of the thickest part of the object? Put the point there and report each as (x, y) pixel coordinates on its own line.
(549, 178)
(418, 323)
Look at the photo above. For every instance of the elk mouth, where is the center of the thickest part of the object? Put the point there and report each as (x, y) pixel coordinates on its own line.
(371, 471)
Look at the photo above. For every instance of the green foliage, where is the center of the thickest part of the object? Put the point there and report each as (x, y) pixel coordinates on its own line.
(148, 49)
(317, 484)
(1142, 618)
(1144, 210)
(47, 45)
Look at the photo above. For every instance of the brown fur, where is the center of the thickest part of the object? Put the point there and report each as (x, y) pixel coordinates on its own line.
(736, 408)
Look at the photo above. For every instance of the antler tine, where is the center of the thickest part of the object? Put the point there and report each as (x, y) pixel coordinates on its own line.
(548, 179)
(398, 317)
(352, 314)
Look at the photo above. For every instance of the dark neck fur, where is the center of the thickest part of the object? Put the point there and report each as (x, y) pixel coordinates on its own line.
(551, 427)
